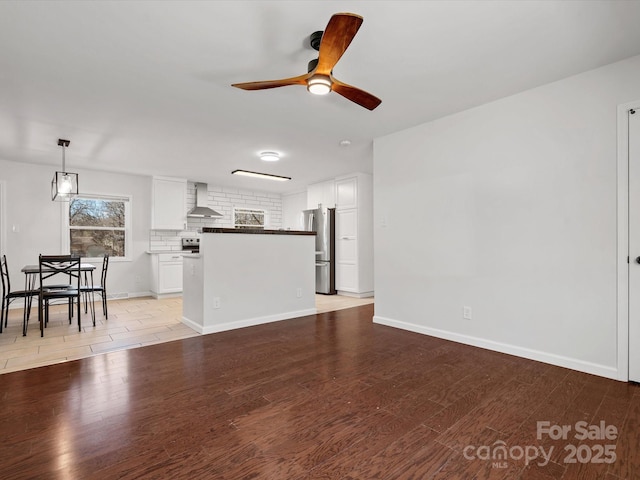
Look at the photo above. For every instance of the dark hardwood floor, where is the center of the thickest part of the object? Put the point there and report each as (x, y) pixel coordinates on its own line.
(330, 396)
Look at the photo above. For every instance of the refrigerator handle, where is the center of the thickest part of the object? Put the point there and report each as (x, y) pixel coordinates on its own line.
(311, 219)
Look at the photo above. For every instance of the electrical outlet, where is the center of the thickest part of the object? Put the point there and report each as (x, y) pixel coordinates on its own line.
(299, 292)
(138, 279)
(466, 313)
(216, 302)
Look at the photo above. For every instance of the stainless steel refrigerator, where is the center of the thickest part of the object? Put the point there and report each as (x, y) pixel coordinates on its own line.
(323, 221)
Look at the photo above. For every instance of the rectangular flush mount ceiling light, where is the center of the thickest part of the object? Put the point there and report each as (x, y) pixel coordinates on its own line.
(268, 176)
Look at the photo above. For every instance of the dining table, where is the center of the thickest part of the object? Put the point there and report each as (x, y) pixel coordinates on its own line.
(31, 276)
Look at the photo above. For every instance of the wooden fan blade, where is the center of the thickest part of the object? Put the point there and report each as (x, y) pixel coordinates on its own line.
(337, 36)
(362, 98)
(299, 80)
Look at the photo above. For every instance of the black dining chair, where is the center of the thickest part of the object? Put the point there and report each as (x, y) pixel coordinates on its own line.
(51, 266)
(100, 289)
(9, 296)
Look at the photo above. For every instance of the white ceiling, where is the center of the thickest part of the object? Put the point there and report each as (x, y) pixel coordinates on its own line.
(144, 87)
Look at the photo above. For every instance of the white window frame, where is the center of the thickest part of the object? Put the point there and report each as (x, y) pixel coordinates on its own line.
(265, 216)
(128, 242)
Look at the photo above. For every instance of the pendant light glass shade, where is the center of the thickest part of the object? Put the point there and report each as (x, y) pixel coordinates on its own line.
(64, 184)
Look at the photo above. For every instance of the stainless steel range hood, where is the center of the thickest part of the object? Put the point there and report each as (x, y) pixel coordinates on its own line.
(201, 210)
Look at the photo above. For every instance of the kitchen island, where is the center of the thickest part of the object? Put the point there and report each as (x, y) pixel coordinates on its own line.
(245, 277)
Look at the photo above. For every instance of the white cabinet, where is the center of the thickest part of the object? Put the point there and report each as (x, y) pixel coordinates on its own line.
(354, 235)
(168, 204)
(347, 193)
(292, 206)
(321, 193)
(347, 250)
(347, 235)
(166, 274)
(170, 277)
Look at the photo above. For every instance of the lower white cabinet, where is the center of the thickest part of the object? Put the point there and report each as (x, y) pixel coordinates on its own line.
(166, 274)
(346, 277)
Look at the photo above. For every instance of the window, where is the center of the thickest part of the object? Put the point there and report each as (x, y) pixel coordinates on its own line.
(249, 218)
(99, 225)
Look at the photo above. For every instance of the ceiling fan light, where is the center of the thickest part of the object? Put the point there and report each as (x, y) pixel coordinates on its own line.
(319, 85)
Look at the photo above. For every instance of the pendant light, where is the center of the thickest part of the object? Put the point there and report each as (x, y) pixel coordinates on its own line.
(64, 184)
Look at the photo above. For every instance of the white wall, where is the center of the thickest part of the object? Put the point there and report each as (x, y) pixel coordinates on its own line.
(38, 220)
(509, 208)
(251, 287)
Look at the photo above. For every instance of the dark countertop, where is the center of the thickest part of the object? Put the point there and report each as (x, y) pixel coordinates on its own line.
(255, 231)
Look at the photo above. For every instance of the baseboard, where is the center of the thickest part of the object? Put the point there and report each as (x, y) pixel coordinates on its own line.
(540, 356)
(192, 325)
(135, 295)
(165, 295)
(355, 295)
(249, 322)
(19, 303)
(123, 295)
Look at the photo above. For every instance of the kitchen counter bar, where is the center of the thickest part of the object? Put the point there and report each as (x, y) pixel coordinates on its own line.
(256, 231)
(248, 278)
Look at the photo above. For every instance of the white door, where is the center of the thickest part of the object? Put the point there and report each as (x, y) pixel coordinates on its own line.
(634, 245)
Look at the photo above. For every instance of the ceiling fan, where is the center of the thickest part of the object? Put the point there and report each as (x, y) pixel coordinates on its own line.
(331, 45)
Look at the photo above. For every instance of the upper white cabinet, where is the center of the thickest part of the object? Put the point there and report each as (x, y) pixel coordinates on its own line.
(321, 193)
(168, 203)
(347, 193)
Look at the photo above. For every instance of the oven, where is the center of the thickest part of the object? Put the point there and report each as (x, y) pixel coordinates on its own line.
(191, 245)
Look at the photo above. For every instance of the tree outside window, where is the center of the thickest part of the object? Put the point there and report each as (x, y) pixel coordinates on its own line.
(97, 226)
(249, 218)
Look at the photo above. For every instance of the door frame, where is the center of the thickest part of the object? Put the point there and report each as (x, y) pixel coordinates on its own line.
(622, 252)
(3, 217)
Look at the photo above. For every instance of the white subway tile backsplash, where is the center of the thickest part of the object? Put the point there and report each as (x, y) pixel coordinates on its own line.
(223, 200)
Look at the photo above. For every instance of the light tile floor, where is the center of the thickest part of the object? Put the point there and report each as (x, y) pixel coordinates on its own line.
(132, 323)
